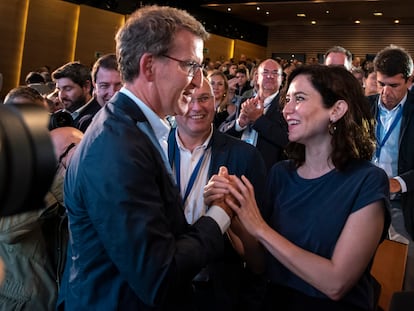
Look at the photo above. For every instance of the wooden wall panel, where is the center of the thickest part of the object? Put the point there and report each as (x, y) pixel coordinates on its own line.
(251, 50)
(50, 35)
(219, 48)
(96, 33)
(359, 39)
(12, 28)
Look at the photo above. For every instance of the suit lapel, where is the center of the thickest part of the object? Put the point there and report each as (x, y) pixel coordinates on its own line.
(407, 114)
(219, 153)
(131, 109)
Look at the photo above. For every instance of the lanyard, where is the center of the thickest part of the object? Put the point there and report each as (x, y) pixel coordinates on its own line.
(387, 135)
(194, 174)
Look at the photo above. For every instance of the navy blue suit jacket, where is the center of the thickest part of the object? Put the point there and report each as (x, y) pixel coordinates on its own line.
(405, 156)
(226, 274)
(130, 247)
(85, 116)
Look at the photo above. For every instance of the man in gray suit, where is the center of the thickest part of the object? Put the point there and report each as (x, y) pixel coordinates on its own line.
(130, 245)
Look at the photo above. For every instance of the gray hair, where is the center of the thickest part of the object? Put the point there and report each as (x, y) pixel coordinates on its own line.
(151, 29)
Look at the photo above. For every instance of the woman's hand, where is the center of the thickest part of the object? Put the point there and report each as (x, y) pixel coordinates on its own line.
(243, 203)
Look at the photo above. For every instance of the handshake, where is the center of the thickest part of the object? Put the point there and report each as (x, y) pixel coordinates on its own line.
(236, 197)
(217, 191)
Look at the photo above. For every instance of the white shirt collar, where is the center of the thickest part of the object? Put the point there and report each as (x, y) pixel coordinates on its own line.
(161, 127)
(204, 145)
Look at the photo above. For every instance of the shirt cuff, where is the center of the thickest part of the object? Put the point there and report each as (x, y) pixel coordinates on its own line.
(402, 184)
(220, 217)
(238, 127)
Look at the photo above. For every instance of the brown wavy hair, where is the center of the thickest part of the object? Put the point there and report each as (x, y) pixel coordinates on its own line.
(354, 137)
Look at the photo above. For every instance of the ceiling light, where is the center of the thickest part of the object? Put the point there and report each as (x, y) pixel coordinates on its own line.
(313, 22)
(357, 22)
(327, 12)
(258, 8)
(267, 13)
(377, 13)
(228, 9)
(397, 21)
(301, 15)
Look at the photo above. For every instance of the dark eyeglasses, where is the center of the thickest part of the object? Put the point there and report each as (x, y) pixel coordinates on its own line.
(190, 66)
(272, 73)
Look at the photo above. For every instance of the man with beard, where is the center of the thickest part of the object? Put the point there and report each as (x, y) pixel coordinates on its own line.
(74, 84)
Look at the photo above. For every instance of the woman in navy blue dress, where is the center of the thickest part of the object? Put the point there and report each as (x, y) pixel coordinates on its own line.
(326, 207)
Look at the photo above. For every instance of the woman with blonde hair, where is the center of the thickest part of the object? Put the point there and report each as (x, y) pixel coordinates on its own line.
(223, 95)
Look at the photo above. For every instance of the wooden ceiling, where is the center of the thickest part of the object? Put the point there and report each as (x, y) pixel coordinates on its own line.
(322, 12)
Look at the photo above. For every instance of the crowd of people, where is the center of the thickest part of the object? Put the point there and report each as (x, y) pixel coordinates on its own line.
(254, 185)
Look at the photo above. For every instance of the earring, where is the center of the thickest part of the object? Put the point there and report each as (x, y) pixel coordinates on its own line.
(331, 128)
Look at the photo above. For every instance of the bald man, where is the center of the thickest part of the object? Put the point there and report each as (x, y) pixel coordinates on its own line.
(65, 140)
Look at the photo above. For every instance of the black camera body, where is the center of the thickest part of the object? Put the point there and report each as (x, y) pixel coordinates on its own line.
(60, 118)
(27, 158)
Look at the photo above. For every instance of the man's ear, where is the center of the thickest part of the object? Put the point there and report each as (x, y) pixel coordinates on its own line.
(338, 110)
(88, 86)
(146, 65)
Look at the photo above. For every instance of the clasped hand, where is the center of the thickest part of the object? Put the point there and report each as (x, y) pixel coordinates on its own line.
(236, 197)
(250, 111)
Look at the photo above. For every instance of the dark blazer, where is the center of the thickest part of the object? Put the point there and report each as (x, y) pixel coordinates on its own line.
(272, 134)
(85, 117)
(230, 286)
(405, 157)
(130, 246)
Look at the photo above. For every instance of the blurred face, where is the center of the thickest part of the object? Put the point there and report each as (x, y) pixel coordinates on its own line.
(370, 83)
(241, 78)
(108, 82)
(174, 83)
(196, 123)
(232, 70)
(54, 102)
(269, 76)
(337, 59)
(359, 76)
(392, 89)
(219, 88)
(304, 112)
(71, 95)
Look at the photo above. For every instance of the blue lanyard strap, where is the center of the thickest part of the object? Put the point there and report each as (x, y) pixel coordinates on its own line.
(387, 135)
(194, 174)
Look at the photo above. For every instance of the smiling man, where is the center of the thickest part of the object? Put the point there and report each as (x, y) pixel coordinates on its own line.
(259, 121)
(131, 247)
(196, 151)
(106, 78)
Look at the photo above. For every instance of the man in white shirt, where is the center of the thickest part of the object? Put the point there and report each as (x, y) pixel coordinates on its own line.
(196, 152)
(260, 121)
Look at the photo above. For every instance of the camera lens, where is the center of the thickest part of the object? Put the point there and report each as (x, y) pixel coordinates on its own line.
(60, 118)
(27, 160)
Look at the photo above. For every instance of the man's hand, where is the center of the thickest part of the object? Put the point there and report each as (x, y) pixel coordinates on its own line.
(253, 109)
(395, 186)
(216, 191)
(243, 119)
